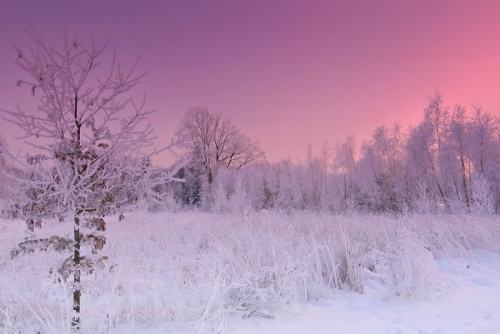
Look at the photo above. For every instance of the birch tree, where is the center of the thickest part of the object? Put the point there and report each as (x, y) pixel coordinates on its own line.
(86, 133)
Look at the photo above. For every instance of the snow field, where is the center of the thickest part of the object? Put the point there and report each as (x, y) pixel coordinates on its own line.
(196, 270)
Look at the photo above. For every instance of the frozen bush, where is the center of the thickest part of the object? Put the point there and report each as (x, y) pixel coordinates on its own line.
(412, 266)
(483, 201)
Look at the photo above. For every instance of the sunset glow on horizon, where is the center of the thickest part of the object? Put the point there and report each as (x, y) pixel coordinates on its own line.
(287, 73)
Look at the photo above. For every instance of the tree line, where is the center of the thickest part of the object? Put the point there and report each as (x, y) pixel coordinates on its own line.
(449, 162)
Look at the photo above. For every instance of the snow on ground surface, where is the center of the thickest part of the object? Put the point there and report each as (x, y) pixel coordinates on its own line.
(469, 302)
(267, 272)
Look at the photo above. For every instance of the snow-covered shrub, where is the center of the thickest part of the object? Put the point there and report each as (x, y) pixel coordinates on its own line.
(412, 266)
(423, 202)
(239, 199)
(220, 199)
(483, 199)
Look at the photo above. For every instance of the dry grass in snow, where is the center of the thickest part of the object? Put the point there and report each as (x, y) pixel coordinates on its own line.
(198, 268)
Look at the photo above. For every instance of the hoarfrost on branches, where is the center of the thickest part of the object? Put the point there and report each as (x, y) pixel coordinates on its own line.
(91, 139)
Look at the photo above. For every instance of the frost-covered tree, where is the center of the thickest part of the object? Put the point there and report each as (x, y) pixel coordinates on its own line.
(424, 147)
(216, 141)
(312, 180)
(446, 151)
(458, 162)
(483, 145)
(382, 170)
(483, 202)
(190, 191)
(353, 197)
(261, 185)
(87, 132)
(448, 162)
(346, 163)
(4, 180)
(290, 194)
(326, 164)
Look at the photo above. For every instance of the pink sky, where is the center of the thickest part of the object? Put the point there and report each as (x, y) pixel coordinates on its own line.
(287, 73)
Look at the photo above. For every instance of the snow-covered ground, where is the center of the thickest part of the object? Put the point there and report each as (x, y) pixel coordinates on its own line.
(467, 302)
(267, 272)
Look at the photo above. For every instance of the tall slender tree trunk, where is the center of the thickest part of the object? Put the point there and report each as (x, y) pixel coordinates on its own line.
(455, 186)
(464, 180)
(434, 173)
(75, 321)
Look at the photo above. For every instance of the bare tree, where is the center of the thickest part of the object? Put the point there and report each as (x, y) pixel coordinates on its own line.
(216, 141)
(457, 142)
(381, 169)
(87, 132)
(483, 143)
(425, 147)
(325, 157)
(345, 160)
